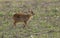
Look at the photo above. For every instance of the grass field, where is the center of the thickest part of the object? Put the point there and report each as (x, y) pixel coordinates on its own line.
(45, 23)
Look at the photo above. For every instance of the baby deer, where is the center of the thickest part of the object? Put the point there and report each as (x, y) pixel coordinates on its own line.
(19, 17)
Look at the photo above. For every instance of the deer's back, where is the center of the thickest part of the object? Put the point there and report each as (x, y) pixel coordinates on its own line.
(21, 17)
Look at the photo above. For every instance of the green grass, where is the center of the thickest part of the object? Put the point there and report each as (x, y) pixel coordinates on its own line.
(45, 23)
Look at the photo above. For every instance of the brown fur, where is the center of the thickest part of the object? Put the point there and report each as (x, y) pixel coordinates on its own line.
(19, 17)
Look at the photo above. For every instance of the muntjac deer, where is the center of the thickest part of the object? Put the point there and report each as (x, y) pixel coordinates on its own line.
(21, 17)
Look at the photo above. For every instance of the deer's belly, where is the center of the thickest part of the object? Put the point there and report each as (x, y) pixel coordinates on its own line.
(21, 19)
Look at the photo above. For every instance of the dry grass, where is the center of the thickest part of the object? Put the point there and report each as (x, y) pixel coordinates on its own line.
(45, 24)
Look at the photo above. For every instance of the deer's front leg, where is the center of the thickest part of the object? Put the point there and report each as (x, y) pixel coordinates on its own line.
(14, 24)
(25, 24)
